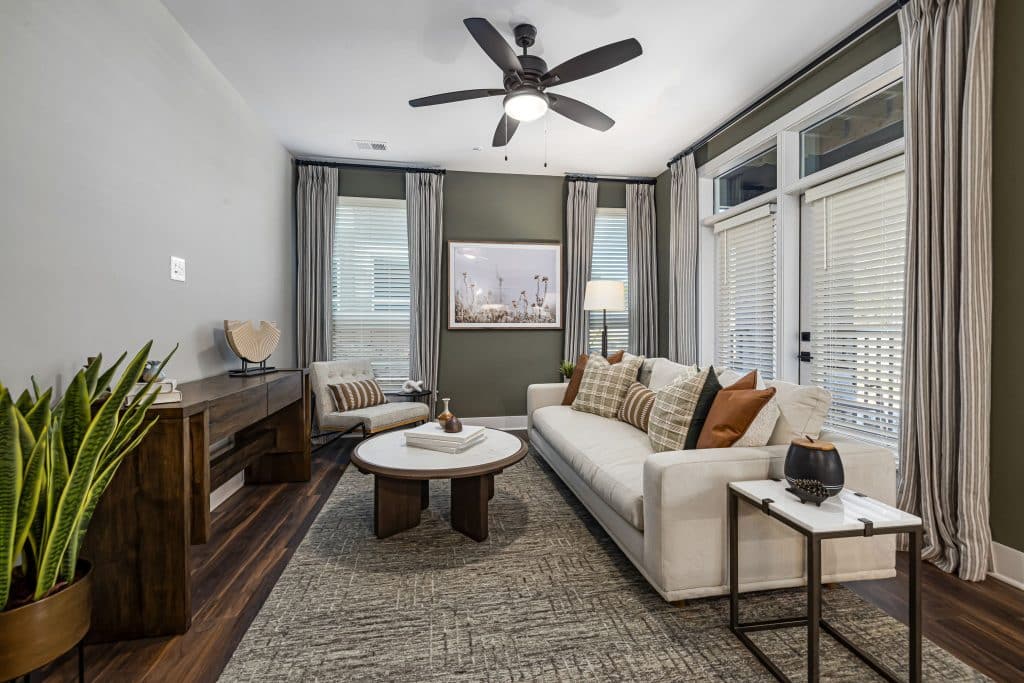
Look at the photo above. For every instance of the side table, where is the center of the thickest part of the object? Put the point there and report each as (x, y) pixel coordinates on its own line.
(847, 515)
(411, 396)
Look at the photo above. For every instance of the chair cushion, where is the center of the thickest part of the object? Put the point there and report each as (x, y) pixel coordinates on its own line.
(358, 394)
(606, 454)
(376, 417)
(605, 385)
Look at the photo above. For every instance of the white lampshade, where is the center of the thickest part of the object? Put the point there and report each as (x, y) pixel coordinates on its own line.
(605, 295)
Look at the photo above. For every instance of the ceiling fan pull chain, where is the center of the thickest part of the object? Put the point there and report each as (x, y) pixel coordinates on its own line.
(505, 119)
(545, 141)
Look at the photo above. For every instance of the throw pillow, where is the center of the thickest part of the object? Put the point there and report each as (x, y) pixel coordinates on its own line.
(679, 411)
(759, 433)
(359, 394)
(577, 375)
(734, 410)
(604, 385)
(636, 407)
(802, 411)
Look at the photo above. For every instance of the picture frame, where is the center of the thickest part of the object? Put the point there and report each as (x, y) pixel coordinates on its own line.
(504, 285)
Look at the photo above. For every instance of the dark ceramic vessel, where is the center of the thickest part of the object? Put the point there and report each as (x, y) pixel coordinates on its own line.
(453, 425)
(818, 461)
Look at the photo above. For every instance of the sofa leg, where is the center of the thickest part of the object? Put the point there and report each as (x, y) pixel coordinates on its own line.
(678, 603)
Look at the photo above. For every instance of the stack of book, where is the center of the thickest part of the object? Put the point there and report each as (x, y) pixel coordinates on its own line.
(166, 391)
(432, 437)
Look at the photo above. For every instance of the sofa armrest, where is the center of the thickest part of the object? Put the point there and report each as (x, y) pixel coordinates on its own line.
(686, 502)
(542, 396)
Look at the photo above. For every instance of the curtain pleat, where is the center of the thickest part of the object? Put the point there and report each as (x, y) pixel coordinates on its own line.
(424, 199)
(316, 196)
(944, 440)
(642, 252)
(682, 291)
(580, 214)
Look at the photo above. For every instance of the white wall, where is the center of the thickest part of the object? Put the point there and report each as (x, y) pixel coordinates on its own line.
(121, 145)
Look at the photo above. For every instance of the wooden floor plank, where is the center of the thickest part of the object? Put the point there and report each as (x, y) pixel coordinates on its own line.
(256, 531)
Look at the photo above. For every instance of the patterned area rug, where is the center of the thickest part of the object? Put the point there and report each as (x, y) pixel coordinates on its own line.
(547, 597)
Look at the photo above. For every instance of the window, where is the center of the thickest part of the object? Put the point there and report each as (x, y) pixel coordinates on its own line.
(370, 286)
(854, 259)
(609, 261)
(874, 121)
(748, 180)
(745, 292)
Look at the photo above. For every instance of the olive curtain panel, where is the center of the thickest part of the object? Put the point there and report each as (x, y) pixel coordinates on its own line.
(316, 196)
(580, 214)
(682, 291)
(424, 199)
(642, 249)
(944, 440)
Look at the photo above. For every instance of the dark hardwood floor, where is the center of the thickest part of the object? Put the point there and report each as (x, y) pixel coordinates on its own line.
(258, 529)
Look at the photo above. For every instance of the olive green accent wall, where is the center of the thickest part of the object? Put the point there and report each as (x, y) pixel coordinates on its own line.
(1007, 513)
(662, 193)
(611, 195)
(357, 182)
(864, 51)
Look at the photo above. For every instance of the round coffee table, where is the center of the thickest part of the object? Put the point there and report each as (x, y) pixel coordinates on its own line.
(402, 475)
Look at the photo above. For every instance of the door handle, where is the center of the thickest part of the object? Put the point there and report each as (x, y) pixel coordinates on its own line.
(804, 356)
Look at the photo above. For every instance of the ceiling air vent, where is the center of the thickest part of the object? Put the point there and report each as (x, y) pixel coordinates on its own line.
(371, 146)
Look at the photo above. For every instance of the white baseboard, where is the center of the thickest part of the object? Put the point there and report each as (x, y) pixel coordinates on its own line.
(226, 490)
(1007, 565)
(504, 422)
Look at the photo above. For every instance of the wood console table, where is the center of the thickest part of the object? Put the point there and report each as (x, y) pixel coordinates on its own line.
(158, 504)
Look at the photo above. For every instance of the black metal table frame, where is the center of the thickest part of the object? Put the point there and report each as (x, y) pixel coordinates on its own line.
(814, 621)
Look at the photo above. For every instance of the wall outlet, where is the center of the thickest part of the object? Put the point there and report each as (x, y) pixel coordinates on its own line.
(177, 269)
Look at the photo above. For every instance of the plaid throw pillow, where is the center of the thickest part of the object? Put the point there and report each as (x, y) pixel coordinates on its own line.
(605, 385)
(679, 411)
(636, 407)
(359, 394)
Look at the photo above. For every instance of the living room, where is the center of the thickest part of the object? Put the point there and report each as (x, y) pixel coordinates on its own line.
(680, 349)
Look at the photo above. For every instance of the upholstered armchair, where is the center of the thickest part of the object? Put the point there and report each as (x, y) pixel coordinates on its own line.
(372, 419)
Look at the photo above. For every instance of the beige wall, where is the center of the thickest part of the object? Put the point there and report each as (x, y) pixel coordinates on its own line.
(122, 146)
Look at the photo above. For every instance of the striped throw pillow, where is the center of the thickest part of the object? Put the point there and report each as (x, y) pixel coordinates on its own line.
(359, 394)
(605, 385)
(636, 407)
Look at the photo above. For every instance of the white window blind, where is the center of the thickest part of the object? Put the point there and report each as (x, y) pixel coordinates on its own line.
(745, 292)
(370, 286)
(609, 260)
(856, 299)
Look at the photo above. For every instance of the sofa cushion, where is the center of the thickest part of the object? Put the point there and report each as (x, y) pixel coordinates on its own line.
(734, 410)
(606, 454)
(664, 372)
(636, 407)
(376, 417)
(604, 385)
(802, 408)
(680, 410)
(577, 375)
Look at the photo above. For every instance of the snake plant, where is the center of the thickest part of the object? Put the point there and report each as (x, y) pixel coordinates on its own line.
(56, 459)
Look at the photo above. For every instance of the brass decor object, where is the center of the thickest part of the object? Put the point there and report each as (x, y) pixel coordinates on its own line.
(252, 345)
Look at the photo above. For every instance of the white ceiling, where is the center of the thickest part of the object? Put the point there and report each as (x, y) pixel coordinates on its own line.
(324, 72)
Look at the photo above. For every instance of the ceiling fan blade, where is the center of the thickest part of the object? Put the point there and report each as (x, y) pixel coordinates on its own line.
(457, 96)
(503, 135)
(595, 61)
(580, 113)
(496, 47)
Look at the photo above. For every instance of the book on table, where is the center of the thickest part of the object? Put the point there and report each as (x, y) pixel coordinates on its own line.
(166, 391)
(432, 437)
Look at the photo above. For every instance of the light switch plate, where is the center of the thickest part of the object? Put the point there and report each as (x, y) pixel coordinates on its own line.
(177, 269)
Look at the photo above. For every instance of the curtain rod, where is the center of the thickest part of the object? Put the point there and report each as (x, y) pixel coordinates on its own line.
(367, 167)
(848, 40)
(639, 180)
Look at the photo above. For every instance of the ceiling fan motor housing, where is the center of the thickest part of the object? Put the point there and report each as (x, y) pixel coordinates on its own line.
(526, 35)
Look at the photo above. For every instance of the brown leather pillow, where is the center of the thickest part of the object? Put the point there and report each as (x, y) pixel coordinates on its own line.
(577, 375)
(733, 411)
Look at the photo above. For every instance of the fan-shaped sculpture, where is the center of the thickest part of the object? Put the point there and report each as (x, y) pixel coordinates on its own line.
(252, 345)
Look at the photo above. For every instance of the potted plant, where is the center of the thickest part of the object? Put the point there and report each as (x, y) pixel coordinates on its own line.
(56, 460)
(565, 369)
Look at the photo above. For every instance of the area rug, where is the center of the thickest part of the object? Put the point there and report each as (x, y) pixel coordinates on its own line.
(548, 597)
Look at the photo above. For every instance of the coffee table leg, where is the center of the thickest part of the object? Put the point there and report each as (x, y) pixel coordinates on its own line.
(396, 505)
(425, 494)
(469, 506)
(490, 486)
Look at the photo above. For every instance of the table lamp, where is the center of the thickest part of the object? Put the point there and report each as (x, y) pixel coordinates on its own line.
(604, 296)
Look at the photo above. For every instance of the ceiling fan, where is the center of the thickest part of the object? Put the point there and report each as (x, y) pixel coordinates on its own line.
(525, 79)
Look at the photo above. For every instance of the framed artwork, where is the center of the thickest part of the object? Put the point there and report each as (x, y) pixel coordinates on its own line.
(504, 285)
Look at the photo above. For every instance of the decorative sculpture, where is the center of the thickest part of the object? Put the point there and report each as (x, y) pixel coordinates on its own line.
(412, 386)
(252, 345)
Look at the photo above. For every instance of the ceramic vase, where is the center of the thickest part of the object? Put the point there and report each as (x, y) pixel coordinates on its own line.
(445, 414)
(814, 468)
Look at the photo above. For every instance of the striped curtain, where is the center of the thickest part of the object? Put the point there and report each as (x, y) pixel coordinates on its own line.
(642, 249)
(682, 287)
(580, 214)
(424, 198)
(944, 441)
(316, 196)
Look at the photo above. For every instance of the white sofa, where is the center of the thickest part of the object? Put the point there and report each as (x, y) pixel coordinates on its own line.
(667, 511)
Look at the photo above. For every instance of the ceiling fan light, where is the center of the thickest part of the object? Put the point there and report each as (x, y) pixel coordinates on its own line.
(526, 105)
